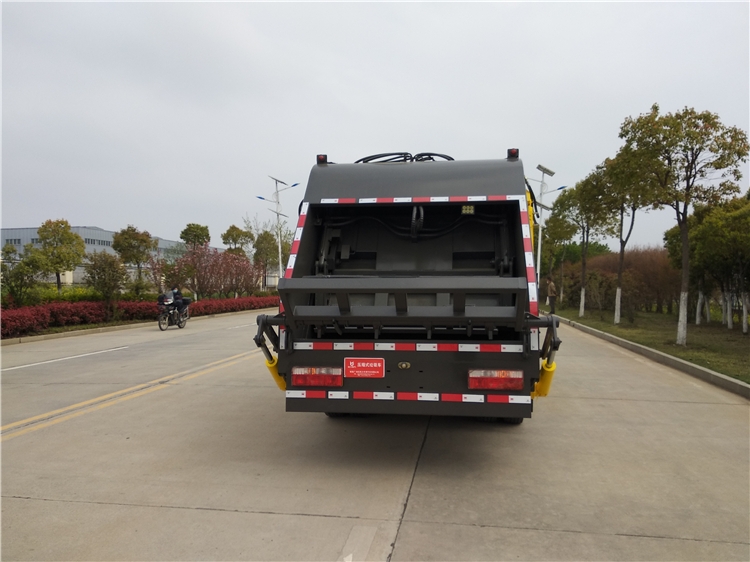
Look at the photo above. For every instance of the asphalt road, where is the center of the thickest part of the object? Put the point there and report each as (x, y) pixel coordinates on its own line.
(148, 445)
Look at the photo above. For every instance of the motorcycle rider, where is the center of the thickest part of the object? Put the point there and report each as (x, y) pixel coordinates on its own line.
(177, 296)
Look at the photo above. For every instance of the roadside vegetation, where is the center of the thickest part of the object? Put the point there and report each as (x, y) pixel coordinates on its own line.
(690, 162)
(122, 287)
(711, 344)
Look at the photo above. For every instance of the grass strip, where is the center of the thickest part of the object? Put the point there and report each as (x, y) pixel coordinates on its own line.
(709, 345)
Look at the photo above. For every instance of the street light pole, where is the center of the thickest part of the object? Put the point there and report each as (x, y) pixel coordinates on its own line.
(277, 202)
(550, 173)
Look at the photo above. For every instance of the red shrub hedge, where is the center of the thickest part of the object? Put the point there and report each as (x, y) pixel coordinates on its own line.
(217, 306)
(25, 320)
(30, 319)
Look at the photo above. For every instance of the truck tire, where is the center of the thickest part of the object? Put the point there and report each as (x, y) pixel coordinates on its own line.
(512, 421)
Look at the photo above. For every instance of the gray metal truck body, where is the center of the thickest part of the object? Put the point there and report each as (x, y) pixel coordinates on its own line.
(411, 288)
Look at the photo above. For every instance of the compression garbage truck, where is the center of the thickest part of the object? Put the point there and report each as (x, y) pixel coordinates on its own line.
(411, 289)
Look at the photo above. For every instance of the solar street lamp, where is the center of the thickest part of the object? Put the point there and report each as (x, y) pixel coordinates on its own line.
(279, 214)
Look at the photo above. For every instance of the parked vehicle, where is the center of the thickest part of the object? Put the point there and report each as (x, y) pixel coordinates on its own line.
(171, 313)
(411, 289)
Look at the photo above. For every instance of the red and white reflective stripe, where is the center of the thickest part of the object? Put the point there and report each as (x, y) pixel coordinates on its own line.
(317, 345)
(410, 396)
(528, 254)
(508, 399)
(431, 199)
(295, 241)
(404, 346)
(330, 394)
(365, 395)
(479, 398)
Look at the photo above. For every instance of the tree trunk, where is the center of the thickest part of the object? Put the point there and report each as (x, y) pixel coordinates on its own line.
(708, 310)
(59, 283)
(685, 285)
(698, 309)
(682, 320)
(618, 297)
(744, 313)
(723, 308)
(730, 311)
(584, 251)
(583, 302)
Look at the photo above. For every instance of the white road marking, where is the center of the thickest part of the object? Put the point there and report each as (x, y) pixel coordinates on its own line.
(358, 544)
(241, 326)
(65, 358)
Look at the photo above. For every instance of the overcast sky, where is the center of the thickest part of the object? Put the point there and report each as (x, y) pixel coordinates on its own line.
(163, 114)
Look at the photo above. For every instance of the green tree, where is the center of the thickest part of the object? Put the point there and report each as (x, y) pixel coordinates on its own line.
(692, 158)
(237, 239)
(722, 245)
(266, 252)
(583, 206)
(558, 232)
(21, 272)
(63, 249)
(195, 235)
(134, 247)
(106, 274)
(629, 189)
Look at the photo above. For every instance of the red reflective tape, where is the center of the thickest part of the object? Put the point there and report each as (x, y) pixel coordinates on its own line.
(530, 274)
(362, 395)
(458, 198)
(301, 221)
(288, 273)
(502, 398)
(363, 346)
(406, 396)
(497, 198)
(347, 200)
(384, 200)
(281, 307)
(534, 308)
(524, 217)
(490, 347)
(322, 345)
(295, 247)
(447, 347)
(420, 199)
(451, 397)
(527, 245)
(315, 394)
(406, 347)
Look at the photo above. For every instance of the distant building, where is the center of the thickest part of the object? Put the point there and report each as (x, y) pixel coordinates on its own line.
(96, 240)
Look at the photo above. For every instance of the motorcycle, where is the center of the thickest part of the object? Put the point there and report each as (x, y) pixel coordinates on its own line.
(170, 314)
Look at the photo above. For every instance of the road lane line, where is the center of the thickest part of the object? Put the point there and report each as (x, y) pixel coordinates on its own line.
(124, 391)
(101, 405)
(64, 358)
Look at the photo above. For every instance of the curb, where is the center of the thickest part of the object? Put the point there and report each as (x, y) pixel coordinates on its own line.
(31, 339)
(717, 379)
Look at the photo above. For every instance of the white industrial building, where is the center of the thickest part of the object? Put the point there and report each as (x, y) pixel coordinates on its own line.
(96, 240)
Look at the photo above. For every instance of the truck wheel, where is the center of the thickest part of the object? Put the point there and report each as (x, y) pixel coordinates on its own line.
(512, 421)
(335, 414)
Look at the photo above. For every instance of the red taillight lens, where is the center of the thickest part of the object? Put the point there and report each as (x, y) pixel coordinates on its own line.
(508, 380)
(317, 376)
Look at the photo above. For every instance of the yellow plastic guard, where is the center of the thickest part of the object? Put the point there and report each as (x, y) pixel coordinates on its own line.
(530, 207)
(546, 374)
(273, 369)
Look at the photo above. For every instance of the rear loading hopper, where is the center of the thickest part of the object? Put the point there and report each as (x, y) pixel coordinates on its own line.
(411, 289)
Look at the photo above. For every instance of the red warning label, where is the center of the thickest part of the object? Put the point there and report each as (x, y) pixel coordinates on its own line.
(364, 367)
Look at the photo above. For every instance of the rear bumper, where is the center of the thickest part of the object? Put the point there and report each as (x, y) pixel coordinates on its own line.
(408, 403)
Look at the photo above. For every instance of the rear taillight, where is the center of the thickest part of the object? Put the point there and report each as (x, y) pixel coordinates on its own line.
(508, 380)
(317, 376)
